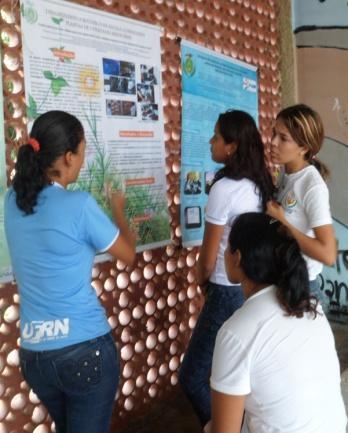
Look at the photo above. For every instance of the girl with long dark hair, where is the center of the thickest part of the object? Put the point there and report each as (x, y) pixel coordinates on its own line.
(243, 184)
(275, 358)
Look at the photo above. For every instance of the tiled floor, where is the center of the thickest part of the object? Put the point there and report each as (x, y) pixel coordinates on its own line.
(176, 416)
(171, 416)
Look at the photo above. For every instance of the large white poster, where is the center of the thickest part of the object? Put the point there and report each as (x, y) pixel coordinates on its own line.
(106, 70)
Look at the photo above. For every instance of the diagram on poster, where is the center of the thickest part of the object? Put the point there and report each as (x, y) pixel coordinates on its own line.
(105, 70)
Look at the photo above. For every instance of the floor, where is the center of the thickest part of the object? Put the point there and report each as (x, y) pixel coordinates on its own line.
(171, 416)
(176, 416)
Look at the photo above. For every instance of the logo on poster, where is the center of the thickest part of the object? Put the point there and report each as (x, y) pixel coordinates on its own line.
(189, 65)
(29, 13)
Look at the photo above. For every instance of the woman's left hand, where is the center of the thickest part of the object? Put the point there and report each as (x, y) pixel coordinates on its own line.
(275, 210)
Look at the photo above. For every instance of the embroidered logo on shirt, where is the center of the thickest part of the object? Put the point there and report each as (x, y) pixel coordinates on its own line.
(289, 202)
(37, 330)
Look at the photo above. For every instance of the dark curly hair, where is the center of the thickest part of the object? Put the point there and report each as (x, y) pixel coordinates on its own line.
(270, 256)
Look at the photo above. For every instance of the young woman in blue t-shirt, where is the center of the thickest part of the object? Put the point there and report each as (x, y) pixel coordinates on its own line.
(67, 353)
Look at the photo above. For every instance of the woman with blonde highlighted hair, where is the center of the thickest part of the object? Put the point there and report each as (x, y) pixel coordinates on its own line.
(303, 198)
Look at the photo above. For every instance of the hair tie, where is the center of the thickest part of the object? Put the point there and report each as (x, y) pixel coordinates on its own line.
(34, 144)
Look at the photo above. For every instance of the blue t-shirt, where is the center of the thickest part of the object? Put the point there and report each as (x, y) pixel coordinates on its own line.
(52, 253)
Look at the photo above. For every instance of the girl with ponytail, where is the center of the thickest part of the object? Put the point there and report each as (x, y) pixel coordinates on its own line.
(303, 198)
(275, 358)
(67, 352)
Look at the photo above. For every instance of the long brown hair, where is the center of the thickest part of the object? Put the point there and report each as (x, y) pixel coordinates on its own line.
(248, 161)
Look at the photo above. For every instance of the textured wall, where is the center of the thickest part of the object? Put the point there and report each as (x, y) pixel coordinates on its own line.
(153, 306)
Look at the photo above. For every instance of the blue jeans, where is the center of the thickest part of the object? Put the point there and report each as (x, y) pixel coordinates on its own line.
(221, 302)
(77, 384)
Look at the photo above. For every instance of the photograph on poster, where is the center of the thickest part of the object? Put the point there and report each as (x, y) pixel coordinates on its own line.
(193, 183)
(193, 217)
(145, 93)
(115, 107)
(111, 67)
(149, 111)
(148, 74)
(119, 76)
(208, 180)
(127, 69)
(117, 84)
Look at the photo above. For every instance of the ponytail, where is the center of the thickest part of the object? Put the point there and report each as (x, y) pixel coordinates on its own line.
(53, 134)
(30, 178)
(321, 167)
(293, 281)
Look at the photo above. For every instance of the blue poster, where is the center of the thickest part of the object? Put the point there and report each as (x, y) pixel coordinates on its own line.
(211, 84)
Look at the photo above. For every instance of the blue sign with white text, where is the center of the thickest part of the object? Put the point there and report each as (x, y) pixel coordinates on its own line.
(211, 84)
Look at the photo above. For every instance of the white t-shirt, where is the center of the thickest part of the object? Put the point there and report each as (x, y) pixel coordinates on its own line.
(227, 199)
(287, 368)
(305, 199)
